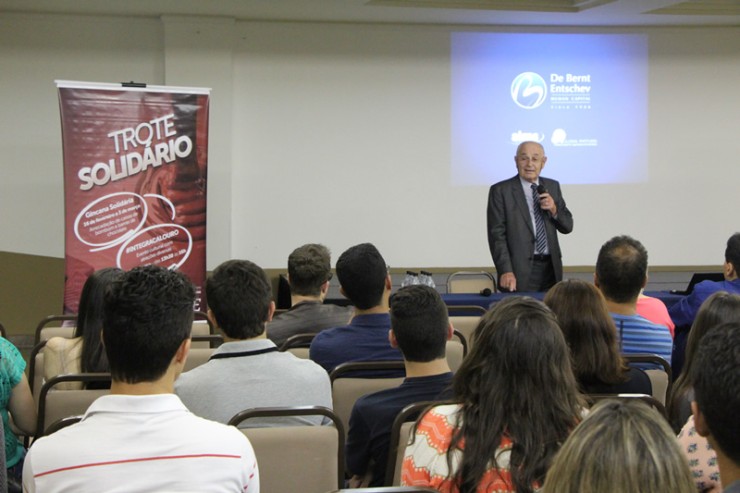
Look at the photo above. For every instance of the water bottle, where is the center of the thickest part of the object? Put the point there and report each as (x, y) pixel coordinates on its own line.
(426, 279)
(410, 279)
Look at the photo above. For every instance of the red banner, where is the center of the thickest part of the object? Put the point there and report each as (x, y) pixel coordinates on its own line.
(135, 163)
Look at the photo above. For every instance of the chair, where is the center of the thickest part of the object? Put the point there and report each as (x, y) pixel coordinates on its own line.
(309, 459)
(197, 356)
(471, 282)
(400, 434)
(44, 333)
(62, 423)
(455, 351)
(211, 341)
(465, 325)
(4, 335)
(57, 404)
(36, 370)
(647, 399)
(466, 310)
(298, 344)
(661, 378)
(347, 385)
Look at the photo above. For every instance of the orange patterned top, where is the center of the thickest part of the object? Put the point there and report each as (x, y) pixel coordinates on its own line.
(425, 460)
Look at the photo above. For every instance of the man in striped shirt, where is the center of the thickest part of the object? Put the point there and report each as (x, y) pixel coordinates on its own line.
(141, 437)
(621, 273)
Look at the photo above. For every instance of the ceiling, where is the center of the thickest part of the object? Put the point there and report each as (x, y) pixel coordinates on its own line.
(472, 12)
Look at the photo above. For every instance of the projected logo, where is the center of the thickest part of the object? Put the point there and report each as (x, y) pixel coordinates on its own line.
(528, 90)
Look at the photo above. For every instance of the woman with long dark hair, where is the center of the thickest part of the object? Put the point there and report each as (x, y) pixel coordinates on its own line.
(516, 402)
(589, 330)
(84, 352)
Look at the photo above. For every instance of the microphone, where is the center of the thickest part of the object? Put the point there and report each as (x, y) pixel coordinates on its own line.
(541, 189)
(485, 292)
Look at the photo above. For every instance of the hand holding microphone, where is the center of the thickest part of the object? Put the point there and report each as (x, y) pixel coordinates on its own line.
(546, 201)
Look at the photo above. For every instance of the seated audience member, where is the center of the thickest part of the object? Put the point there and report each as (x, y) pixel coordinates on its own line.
(719, 308)
(309, 273)
(421, 328)
(15, 400)
(247, 370)
(654, 310)
(684, 312)
(141, 437)
(701, 457)
(621, 273)
(84, 352)
(364, 279)
(620, 447)
(716, 381)
(592, 338)
(517, 401)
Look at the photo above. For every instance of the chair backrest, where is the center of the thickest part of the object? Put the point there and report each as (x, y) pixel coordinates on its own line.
(4, 334)
(197, 356)
(465, 310)
(201, 329)
(455, 353)
(465, 325)
(57, 404)
(36, 370)
(211, 341)
(52, 326)
(401, 429)
(306, 459)
(470, 282)
(647, 399)
(298, 345)
(62, 423)
(661, 378)
(347, 385)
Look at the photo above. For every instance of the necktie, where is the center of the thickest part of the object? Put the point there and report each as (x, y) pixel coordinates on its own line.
(539, 222)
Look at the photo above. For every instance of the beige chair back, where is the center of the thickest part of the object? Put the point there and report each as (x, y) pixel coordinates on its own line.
(465, 325)
(196, 357)
(306, 459)
(200, 328)
(52, 331)
(401, 430)
(346, 388)
(470, 282)
(57, 404)
(661, 378)
(455, 354)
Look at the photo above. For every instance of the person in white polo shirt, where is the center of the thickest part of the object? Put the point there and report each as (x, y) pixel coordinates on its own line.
(141, 437)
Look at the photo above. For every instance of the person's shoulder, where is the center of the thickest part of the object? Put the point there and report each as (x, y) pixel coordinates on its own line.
(505, 183)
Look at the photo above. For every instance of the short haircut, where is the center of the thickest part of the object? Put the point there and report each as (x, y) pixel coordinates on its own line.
(309, 267)
(621, 269)
(239, 295)
(148, 313)
(362, 271)
(716, 379)
(732, 252)
(419, 321)
(618, 447)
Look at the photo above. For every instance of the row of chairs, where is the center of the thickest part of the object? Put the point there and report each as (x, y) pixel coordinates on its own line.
(310, 459)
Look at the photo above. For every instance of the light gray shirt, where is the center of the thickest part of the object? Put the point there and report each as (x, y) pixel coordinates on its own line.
(249, 374)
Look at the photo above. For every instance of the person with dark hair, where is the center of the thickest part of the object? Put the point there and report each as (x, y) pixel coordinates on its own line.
(364, 279)
(719, 308)
(524, 216)
(592, 338)
(620, 447)
(716, 381)
(83, 353)
(309, 273)
(516, 401)
(685, 310)
(247, 370)
(141, 437)
(621, 273)
(421, 328)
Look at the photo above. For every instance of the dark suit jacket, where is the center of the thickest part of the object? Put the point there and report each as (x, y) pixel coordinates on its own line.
(511, 236)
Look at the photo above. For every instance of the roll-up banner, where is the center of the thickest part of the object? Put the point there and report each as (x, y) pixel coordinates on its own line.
(135, 163)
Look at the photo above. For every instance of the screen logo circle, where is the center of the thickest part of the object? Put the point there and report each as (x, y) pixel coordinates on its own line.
(528, 90)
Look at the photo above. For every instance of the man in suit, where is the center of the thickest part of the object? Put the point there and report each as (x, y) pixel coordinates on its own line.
(523, 224)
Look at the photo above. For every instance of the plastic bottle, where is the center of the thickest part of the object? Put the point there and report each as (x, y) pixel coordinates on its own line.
(410, 279)
(426, 279)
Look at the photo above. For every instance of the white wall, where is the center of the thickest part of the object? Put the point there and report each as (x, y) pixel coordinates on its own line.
(339, 133)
